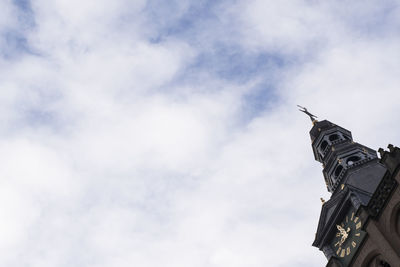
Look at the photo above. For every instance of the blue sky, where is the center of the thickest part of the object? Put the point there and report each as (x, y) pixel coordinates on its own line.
(149, 133)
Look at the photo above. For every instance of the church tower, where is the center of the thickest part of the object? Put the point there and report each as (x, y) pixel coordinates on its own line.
(359, 226)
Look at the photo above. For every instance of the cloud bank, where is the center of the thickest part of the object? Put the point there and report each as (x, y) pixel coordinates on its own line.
(149, 133)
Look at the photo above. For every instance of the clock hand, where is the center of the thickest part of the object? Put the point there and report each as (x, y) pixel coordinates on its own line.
(340, 233)
(343, 233)
(342, 240)
(341, 230)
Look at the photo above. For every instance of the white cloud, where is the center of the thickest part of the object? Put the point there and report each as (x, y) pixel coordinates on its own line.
(7, 19)
(285, 26)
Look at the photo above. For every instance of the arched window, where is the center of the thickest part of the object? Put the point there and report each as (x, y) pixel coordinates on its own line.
(397, 222)
(377, 261)
(393, 224)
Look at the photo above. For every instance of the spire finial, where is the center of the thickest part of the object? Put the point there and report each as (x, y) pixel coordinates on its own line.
(312, 117)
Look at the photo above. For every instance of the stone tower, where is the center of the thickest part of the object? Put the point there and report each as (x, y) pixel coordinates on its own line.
(360, 224)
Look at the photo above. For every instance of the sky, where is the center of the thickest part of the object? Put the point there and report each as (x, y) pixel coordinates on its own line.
(165, 133)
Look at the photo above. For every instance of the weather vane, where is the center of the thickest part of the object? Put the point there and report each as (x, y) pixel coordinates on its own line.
(312, 117)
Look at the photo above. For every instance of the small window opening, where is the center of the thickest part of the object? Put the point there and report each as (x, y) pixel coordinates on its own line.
(333, 137)
(350, 161)
(384, 263)
(324, 144)
(338, 170)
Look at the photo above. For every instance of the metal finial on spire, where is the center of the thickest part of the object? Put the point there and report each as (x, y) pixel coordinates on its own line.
(312, 117)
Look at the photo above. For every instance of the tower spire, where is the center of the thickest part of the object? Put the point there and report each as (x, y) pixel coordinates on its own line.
(341, 157)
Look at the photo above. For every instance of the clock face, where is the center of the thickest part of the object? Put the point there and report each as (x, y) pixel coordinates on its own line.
(348, 236)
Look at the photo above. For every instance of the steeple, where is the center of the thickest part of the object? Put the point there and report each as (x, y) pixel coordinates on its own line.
(344, 161)
(359, 214)
(340, 156)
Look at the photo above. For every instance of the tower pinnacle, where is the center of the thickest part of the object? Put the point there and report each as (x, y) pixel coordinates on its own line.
(343, 159)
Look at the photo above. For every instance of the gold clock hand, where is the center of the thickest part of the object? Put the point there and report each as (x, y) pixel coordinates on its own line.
(342, 240)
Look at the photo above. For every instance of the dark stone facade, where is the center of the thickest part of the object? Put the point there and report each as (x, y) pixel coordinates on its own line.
(359, 225)
(382, 216)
